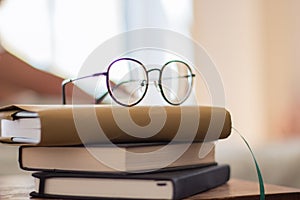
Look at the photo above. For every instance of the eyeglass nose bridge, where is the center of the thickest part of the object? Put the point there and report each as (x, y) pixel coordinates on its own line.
(157, 83)
(155, 69)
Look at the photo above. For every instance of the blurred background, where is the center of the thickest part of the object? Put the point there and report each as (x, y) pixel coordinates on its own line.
(255, 45)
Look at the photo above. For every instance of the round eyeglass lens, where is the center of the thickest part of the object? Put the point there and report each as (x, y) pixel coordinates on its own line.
(176, 82)
(127, 81)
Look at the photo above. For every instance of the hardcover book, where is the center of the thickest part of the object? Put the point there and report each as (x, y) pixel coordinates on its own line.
(80, 159)
(176, 184)
(55, 125)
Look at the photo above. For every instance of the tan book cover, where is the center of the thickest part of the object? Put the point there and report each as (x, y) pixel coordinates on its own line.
(73, 125)
(80, 159)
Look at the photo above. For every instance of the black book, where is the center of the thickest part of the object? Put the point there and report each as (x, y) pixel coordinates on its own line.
(176, 184)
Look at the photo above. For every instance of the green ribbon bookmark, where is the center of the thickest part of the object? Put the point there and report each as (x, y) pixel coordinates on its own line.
(259, 175)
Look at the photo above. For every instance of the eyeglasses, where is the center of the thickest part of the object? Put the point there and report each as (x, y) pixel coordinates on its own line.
(127, 82)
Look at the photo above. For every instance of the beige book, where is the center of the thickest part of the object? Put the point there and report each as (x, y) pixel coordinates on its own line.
(123, 158)
(56, 125)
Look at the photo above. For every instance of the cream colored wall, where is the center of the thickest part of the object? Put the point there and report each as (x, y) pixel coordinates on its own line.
(231, 32)
(255, 45)
(282, 70)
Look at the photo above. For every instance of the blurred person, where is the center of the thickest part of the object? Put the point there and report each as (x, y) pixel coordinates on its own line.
(19, 79)
(22, 83)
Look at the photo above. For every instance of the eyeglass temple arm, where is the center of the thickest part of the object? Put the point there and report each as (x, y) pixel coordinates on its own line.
(102, 97)
(67, 81)
(115, 86)
(185, 76)
(63, 86)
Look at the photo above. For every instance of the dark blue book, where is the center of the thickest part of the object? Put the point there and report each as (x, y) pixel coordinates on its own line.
(175, 184)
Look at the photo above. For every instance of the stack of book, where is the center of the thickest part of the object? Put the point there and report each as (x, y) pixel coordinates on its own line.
(71, 157)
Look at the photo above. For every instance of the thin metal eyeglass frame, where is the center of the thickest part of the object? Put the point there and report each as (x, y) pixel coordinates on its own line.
(98, 100)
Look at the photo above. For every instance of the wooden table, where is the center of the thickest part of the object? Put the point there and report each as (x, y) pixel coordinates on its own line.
(18, 187)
